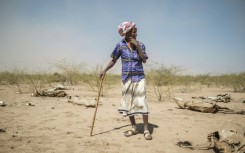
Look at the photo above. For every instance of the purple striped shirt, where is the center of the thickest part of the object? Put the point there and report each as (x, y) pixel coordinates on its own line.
(132, 66)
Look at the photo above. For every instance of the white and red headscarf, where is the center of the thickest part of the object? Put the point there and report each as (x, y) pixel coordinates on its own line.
(125, 27)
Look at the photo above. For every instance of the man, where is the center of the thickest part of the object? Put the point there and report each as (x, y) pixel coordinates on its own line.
(133, 55)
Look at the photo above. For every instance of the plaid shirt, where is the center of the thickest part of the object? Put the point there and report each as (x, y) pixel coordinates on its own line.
(132, 67)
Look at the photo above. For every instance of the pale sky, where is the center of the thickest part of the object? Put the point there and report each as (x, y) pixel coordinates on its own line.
(200, 36)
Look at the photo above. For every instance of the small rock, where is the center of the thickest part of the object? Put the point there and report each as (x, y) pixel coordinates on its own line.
(2, 130)
(52, 108)
(2, 103)
(12, 147)
(30, 104)
(184, 143)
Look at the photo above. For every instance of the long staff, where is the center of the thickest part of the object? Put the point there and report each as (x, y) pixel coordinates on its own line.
(97, 104)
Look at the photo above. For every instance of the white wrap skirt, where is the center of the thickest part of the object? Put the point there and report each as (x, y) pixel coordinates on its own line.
(133, 98)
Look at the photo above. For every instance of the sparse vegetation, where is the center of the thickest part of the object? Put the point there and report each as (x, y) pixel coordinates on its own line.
(93, 81)
(37, 82)
(162, 79)
(70, 71)
(13, 77)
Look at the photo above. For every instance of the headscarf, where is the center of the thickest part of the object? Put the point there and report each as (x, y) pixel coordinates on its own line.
(125, 27)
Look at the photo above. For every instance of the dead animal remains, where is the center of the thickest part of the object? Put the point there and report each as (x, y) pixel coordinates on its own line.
(88, 102)
(205, 107)
(230, 138)
(219, 98)
(53, 92)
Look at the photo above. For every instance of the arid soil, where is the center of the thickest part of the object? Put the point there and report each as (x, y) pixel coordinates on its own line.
(52, 125)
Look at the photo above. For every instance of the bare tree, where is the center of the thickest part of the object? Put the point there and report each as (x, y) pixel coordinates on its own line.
(163, 79)
(70, 70)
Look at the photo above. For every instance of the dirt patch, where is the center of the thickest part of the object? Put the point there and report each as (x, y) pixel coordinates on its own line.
(52, 124)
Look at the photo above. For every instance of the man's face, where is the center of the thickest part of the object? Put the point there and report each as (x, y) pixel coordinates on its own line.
(132, 33)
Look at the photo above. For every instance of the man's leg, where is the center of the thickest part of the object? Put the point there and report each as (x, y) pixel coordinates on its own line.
(133, 123)
(134, 128)
(147, 134)
(145, 120)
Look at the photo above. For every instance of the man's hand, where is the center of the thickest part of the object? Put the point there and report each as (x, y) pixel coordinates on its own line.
(137, 45)
(133, 41)
(111, 64)
(102, 74)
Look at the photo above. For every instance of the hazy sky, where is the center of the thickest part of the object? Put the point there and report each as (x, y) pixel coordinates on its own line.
(201, 36)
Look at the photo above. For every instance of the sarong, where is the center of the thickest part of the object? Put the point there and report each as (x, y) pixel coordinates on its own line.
(133, 98)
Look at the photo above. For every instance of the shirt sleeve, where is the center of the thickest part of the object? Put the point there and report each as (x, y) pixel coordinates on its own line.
(116, 52)
(143, 49)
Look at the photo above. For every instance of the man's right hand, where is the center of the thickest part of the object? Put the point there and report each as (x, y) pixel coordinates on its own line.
(102, 74)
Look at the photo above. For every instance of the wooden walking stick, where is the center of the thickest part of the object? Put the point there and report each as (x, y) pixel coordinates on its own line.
(97, 104)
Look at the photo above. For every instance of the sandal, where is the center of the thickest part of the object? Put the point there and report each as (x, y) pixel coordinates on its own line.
(147, 135)
(131, 132)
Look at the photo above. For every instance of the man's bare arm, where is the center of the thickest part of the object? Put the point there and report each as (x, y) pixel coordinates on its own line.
(137, 45)
(110, 65)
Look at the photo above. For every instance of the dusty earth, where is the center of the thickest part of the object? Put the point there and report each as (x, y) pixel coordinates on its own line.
(52, 125)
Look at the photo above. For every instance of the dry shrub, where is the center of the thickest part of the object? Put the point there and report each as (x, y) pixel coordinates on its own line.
(70, 71)
(237, 82)
(93, 81)
(187, 83)
(37, 81)
(233, 80)
(22, 79)
(163, 79)
(13, 77)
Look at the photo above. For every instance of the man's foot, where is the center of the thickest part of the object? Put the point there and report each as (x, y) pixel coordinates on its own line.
(147, 135)
(131, 132)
